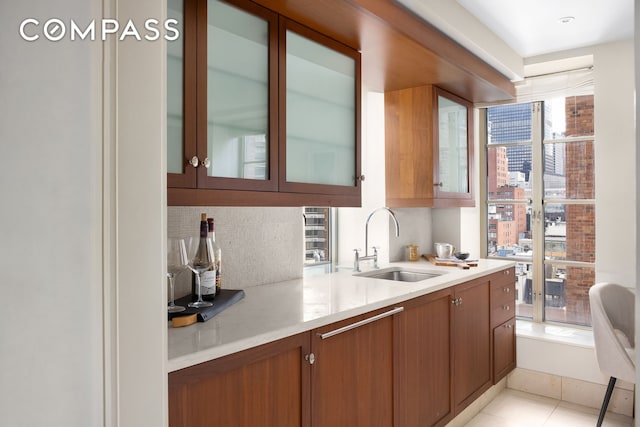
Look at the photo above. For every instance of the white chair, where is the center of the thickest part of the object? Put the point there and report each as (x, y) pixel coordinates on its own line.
(613, 320)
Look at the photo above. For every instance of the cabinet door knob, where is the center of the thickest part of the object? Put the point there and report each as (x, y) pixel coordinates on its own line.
(194, 161)
(438, 184)
(310, 358)
(506, 307)
(507, 290)
(206, 162)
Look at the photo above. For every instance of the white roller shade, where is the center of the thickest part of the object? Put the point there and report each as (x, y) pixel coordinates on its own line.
(554, 85)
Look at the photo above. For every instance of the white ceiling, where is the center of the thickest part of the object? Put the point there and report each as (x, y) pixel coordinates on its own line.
(509, 33)
(531, 27)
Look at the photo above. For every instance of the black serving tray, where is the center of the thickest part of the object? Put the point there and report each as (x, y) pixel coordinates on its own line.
(224, 299)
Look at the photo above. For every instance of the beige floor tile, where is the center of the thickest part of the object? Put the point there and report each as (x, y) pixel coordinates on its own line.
(518, 407)
(564, 416)
(512, 408)
(486, 420)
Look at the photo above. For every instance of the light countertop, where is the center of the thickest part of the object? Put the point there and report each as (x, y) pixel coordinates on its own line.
(271, 312)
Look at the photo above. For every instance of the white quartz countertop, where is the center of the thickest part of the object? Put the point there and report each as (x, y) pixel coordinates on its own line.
(271, 312)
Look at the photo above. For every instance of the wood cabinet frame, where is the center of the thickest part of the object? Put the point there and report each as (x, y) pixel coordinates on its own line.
(194, 187)
(411, 149)
(446, 198)
(201, 384)
(296, 187)
(503, 323)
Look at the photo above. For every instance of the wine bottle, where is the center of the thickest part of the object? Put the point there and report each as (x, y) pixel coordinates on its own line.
(218, 254)
(208, 277)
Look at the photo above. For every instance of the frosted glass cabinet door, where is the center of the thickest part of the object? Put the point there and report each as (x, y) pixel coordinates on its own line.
(175, 92)
(321, 112)
(453, 146)
(238, 95)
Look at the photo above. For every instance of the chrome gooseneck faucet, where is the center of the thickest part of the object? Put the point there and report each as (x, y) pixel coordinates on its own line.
(373, 257)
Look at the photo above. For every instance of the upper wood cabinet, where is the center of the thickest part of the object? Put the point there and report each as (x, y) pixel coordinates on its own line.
(258, 106)
(429, 148)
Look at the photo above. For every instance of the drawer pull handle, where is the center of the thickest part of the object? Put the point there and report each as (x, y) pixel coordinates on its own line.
(506, 307)
(360, 323)
(507, 290)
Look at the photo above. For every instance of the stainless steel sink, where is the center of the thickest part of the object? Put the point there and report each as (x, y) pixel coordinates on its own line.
(400, 274)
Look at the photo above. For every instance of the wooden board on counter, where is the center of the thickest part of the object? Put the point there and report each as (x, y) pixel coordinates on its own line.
(465, 265)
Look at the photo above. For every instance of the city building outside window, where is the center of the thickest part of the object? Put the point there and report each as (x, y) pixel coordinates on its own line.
(317, 236)
(540, 203)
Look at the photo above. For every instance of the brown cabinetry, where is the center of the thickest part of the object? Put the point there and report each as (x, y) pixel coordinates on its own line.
(352, 376)
(503, 322)
(428, 148)
(423, 361)
(263, 112)
(471, 342)
(262, 386)
(417, 364)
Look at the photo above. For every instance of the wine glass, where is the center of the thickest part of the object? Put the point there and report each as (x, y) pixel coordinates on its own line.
(176, 262)
(201, 258)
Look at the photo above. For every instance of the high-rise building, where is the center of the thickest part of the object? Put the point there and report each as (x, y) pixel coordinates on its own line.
(512, 124)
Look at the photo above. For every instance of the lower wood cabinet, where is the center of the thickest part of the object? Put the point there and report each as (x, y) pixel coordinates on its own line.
(262, 386)
(503, 322)
(423, 361)
(352, 376)
(504, 349)
(416, 364)
(471, 342)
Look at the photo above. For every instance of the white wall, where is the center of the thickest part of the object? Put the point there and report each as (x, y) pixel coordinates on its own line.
(637, 192)
(137, 230)
(615, 149)
(615, 191)
(351, 221)
(82, 184)
(51, 346)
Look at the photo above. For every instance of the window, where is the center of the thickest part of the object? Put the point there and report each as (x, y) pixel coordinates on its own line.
(541, 213)
(317, 236)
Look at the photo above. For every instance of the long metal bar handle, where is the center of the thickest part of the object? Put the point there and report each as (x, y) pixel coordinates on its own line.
(360, 323)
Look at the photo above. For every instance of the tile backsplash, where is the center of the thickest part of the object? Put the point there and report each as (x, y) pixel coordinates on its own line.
(259, 245)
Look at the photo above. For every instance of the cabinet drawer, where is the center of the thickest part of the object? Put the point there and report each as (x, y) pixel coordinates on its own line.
(503, 277)
(502, 302)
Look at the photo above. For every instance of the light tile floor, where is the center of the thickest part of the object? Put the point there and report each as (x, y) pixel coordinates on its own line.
(513, 408)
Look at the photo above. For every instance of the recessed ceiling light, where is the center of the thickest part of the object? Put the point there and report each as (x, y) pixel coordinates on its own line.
(566, 19)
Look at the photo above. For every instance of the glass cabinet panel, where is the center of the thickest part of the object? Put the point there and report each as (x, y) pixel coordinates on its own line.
(175, 92)
(452, 140)
(320, 113)
(237, 93)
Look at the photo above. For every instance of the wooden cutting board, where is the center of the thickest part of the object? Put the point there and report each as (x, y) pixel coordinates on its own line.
(452, 263)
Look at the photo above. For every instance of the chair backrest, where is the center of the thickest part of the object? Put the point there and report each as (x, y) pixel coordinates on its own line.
(613, 320)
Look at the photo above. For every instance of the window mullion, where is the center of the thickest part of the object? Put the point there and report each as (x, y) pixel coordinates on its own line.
(537, 132)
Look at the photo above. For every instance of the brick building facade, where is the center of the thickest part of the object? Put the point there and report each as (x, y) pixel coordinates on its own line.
(580, 219)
